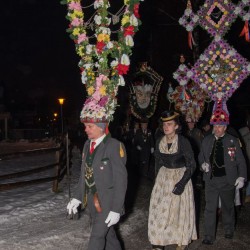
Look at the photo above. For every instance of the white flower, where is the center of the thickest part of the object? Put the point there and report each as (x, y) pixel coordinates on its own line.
(121, 81)
(203, 86)
(181, 21)
(248, 67)
(89, 48)
(232, 52)
(87, 65)
(195, 18)
(84, 78)
(237, 10)
(98, 4)
(246, 2)
(97, 65)
(187, 12)
(125, 60)
(110, 45)
(98, 19)
(217, 38)
(189, 74)
(129, 41)
(175, 75)
(246, 17)
(189, 27)
(105, 30)
(114, 63)
(219, 95)
(202, 57)
(182, 67)
(183, 82)
(133, 20)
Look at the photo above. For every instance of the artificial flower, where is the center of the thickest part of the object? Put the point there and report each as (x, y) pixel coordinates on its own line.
(90, 90)
(75, 6)
(122, 69)
(133, 20)
(100, 46)
(81, 38)
(125, 59)
(76, 31)
(129, 41)
(136, 10)
(98, 19)
(128, 31)
(103, 90)
(125, 20)
(103, 37)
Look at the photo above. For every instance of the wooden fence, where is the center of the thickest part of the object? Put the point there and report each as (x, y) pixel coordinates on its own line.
(61, 166)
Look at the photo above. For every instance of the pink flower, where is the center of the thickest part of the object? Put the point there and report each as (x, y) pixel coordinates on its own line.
(81, 38)
(96, 95)
(103, 101)
(99, 80)
(76, 22)
(75, 6)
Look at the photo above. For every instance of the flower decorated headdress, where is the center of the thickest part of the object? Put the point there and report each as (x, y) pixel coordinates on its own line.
(188, 98)
(220, 69)
(103, 61)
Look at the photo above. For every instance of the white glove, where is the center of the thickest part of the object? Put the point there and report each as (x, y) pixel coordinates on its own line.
(239, 183)
(112, 218)
(139, 148)
(73, 205)
(152, 150)
(205, 167)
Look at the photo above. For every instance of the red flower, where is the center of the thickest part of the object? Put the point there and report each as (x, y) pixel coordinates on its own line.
(99, 46)
(129, 31)
(136, 10)
(122, 69)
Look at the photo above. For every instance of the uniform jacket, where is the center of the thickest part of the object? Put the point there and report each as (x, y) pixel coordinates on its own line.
(234, 161)
(146, 142)
(110, 174)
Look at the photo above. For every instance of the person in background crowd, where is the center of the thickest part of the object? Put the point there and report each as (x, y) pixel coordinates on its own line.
(224, 168)
(195, 137)
(172, 209)
(145, 145)
(102, 185)
(206, 128)
(245, 134)
(159, 131)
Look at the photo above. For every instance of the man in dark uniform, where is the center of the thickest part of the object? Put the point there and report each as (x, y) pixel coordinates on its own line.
(224, 168)
(102, 185)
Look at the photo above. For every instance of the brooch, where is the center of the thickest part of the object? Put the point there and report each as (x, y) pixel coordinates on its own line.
(232, 151)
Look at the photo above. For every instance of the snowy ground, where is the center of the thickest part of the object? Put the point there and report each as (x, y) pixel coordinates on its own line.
(35, 218)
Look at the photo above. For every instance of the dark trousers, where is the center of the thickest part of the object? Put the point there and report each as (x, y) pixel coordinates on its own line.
(101, 237)
(215, 188)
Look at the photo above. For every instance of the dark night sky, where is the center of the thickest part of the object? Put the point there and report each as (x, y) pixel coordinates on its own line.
(39, 62)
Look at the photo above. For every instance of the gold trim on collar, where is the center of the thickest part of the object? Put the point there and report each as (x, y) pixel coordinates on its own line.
(170, 118)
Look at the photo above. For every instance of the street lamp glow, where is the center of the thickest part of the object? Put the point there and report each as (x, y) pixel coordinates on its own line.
(61, 101)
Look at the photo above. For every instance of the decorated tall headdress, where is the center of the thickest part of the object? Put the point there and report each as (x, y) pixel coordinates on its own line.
(220, 69)
(104, 60)
(188, 98)
(144, 91)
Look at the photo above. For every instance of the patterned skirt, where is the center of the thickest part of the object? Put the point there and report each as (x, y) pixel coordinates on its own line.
(171, 217)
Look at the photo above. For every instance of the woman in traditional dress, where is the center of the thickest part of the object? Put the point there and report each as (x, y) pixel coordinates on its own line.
(172, 208)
